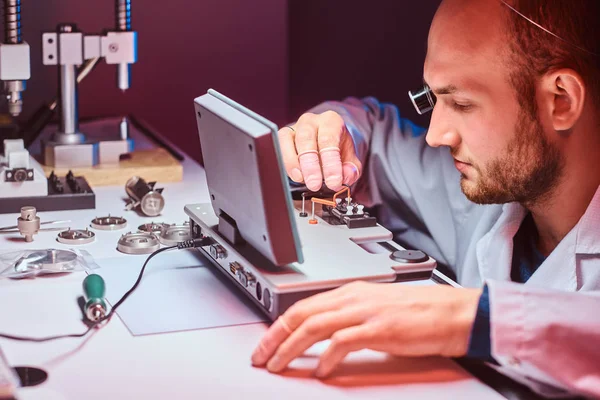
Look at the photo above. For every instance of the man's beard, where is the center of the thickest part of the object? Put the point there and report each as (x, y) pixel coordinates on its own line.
(529, 169)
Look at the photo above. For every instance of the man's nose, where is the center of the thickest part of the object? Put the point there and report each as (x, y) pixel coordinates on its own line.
(441, 131)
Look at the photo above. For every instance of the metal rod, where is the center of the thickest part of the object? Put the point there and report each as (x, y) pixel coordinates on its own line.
(68, 99)
(12, 22)
(12, 35)
(42, 223)
(123, 20)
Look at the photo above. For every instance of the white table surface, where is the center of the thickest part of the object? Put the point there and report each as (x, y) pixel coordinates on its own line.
(207, 363)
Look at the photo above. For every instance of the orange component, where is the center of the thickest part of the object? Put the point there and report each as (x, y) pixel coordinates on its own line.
(346, 188)
(313, 221)
(323, 201)
(331, 203)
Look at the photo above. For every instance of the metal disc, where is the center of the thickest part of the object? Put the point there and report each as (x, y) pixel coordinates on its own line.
(409, 256)
(109, 223)
(153, 227)
(55, 260)
(138, 243)
(174, 234)
(76, 236)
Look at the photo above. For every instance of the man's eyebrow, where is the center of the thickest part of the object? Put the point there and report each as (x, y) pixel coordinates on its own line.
(448, 89)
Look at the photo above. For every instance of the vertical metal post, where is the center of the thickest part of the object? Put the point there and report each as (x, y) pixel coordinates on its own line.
(12, 35)
(123, 17)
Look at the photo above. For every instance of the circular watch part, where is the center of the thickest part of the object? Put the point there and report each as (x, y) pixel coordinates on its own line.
(76, 236)
(153, 227)
(49, 260)
(409, 256)
(174, 234)
(138, 243)
(109, 223)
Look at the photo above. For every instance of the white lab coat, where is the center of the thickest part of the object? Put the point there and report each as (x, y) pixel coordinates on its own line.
(542, 333)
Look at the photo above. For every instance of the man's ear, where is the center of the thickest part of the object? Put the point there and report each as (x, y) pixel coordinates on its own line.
(563, 97)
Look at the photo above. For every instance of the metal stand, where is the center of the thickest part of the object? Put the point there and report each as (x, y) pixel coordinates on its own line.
(14, 57)
(68, 48)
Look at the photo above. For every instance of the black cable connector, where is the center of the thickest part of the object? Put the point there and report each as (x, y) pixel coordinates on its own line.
(198, 242)
(188, 244)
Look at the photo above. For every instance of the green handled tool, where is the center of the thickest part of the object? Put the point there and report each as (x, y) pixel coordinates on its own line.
(94, 289)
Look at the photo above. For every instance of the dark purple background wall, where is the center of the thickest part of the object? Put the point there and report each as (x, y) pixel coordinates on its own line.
(238, 47)
(343, 48)
(277, 57)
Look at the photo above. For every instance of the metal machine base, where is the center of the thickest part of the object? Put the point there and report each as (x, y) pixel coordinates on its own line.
(76, 194)
(84, 155)
(334, 255)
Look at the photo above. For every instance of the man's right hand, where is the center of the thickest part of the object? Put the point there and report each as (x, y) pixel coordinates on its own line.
(319, 147)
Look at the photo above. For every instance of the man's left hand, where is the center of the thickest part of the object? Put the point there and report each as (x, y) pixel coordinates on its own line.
(397, 319)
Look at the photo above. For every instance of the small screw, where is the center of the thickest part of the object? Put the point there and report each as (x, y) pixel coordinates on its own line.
(113, 47)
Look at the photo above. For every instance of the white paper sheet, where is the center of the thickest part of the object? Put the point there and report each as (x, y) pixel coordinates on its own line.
(179, 291)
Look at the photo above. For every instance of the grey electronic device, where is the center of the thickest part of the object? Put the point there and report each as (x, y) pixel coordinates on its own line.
(251, 201)
(249, 192)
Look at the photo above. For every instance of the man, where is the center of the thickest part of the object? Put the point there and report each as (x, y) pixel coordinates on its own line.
(506, 195)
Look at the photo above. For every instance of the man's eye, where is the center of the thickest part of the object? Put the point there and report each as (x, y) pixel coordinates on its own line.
(461, 107)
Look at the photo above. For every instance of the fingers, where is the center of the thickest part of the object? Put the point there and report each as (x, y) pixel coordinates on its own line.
(331, 129)
(317, 148)
(343, 342)
(286, 324)
(351, 166)
(288, 152)
(313, 330)
(308, 154)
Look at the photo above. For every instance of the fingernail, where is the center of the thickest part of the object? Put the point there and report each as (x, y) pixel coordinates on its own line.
(350, 173)
(320, 372)
(257, 357)
(273, 364)
(297, 175)
(313, 182)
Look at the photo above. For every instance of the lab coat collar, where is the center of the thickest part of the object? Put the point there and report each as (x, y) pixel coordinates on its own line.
(559, 270)
(495, 249)
(588, 228)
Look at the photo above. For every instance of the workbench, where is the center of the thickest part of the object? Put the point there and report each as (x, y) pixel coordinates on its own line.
(111, 363)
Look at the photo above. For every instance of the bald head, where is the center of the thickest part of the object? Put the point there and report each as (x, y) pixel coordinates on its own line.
(464, 27)
(466, 46)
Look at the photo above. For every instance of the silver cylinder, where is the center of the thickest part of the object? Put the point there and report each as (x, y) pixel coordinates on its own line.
(12, 35)
(123, 23)
(13, 90)
(68, 99)
(12, 22)
(123, 76)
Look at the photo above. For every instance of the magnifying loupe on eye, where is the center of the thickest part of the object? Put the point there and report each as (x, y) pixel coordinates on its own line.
(423, 99)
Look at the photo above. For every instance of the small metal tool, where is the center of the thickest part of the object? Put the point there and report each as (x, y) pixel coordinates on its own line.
(15, 228)
(76, 236)
(109, 223)
(28, 223)
(138, 243)
(94, 290)
(174, 234)
(145, 195)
